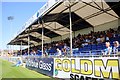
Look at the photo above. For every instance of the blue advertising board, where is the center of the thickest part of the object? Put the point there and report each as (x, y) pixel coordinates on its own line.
(41, 65)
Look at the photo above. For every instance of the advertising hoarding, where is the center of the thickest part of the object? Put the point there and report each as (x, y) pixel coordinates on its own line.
(87, 68)
(41, 65)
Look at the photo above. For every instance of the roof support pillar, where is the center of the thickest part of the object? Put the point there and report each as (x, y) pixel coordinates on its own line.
(68, 4)
(28, 43)
(93, 29)
(42, 22)
(42, 36)
(71, 53)
(10, 49)
(21, 48)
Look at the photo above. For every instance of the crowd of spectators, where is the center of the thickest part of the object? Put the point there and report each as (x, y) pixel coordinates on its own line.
(111, 50)
(79, 42)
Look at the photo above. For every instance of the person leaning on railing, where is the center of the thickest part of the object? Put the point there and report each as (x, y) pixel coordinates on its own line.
(108, 50)
(59, 52)
(115, 48)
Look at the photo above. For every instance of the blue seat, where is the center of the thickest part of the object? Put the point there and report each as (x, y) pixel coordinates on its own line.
(52, 50)
(85, 46)
(81, 49)
(94, 53)
(89, 45)
(104, 47)
(89, 48)
(82, 54)
(99, 52)
(39, 52)
(94, 46)
(76, 54)
(99, 47)
(87, 53)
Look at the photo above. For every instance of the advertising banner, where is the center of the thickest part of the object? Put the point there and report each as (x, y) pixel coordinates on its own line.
(87, 68)
(41, 65)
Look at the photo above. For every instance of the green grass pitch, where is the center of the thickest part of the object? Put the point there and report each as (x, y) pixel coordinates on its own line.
(8, 71)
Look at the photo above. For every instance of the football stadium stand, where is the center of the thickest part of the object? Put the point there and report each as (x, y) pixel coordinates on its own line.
(87, 44)
(73, 39)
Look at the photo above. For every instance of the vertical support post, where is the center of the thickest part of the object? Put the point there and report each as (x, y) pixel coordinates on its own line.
(42, 22)
(70, 29)
(42, 36)
(10, 50)
(93, 29)
(28, 43)
(13, 48)
(21, 47)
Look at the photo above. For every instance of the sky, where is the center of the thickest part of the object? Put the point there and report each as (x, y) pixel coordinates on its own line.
(21, 12)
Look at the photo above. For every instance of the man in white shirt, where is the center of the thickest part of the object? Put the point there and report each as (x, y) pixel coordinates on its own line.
(115, 48)
(108, 49)
(59, 52)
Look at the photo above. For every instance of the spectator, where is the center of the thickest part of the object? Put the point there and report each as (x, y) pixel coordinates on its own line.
(102, 38)
(18, 63)
(108, 49)
(66, 50)
(81, 41)
(59, 52)
(115, 48)
(98, 40)
(45, 51)
(109, 34)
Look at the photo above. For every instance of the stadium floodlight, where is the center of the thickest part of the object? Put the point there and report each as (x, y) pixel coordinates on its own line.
(67, 3)
(10, 18)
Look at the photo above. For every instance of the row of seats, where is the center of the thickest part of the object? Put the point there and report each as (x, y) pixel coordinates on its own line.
(91, 49)
(99, 46)
(94, 49)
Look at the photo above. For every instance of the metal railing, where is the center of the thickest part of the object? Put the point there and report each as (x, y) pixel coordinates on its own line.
(68, 56)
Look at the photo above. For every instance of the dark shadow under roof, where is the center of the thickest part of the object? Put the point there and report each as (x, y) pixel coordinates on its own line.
(47, 32)
(63, 19)
(115, 7)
